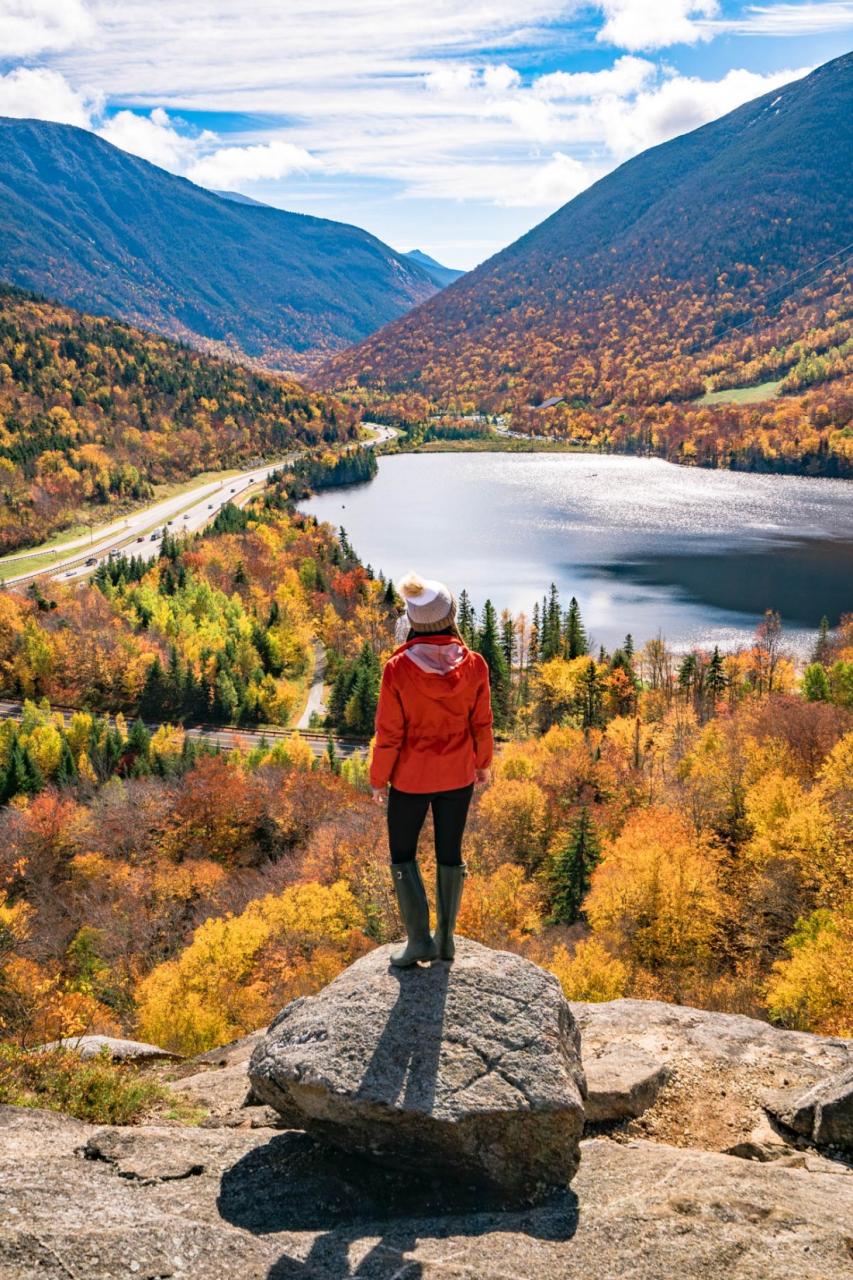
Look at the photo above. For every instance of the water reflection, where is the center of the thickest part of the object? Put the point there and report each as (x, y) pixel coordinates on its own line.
(645, 546)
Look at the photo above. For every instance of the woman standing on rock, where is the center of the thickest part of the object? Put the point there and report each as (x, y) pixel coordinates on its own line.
(433, 742)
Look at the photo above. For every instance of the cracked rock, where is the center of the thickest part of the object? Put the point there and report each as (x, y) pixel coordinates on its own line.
(822, 1114)
(468, 1071)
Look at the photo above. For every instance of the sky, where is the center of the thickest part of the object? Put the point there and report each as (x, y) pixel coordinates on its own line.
(450, 126)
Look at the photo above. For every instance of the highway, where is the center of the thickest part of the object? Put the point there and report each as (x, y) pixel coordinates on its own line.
(140, 534)
(225, 736)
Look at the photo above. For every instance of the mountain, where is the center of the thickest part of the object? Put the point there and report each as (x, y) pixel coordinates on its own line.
(239, 198)
(93, 412)
(441, 275)
(711, 261)
(104, 231)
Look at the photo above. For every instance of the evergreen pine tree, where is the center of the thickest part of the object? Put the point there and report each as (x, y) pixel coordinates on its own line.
(139, 741)
(590, 693)
(715, 677)
(488, 645)
(576, 637)
(66, 770)
(572, 869)
(533, 646)
(551, 622)
(466, 619)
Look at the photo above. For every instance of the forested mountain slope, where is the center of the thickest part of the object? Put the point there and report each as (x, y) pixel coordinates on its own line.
(716, 259)
(108, 232)
(92, 412)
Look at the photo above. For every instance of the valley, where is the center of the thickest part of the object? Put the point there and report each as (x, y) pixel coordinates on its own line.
(231, 437)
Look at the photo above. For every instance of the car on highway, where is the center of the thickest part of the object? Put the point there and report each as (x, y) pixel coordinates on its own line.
(141, 538)
(92, 560)
(210, 506)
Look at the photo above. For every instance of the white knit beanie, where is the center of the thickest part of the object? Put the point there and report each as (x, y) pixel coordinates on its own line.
(430, 605)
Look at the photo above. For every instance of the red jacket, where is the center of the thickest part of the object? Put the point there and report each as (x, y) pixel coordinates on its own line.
(434, 719)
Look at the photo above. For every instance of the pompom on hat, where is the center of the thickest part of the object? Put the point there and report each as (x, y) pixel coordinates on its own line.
(430, 605)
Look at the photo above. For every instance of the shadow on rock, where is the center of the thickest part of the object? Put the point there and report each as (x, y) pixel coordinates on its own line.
(294, 1184)
(404, 1066)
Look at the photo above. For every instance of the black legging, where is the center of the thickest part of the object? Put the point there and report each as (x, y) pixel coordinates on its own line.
(407, 811)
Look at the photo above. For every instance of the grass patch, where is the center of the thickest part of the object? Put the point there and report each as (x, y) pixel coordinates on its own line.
(742, 395)
(98, 1090)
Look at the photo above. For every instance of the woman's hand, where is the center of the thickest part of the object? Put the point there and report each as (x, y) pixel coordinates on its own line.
(483, 777)
(379, 794)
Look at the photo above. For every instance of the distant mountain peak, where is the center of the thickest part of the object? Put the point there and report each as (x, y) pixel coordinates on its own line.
(105, 231)
(442, 275)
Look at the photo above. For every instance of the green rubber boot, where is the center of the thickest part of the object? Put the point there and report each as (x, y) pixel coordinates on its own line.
(449, 883)
(414, 908)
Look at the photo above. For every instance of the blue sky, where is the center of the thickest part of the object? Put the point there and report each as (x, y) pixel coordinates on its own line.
(447, 126)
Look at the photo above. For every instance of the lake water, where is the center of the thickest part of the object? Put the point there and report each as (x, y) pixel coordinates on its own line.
(645, 546)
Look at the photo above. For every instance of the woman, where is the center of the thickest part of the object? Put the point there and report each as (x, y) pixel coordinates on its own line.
(433, 742)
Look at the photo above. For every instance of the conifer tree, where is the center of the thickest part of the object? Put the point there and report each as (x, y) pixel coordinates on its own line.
(66, 770)
(533, 647)
(715, 677)
(488, 645)
(589, 689)
(550, 644)
(572, 869)
(576, 637)
(466, 618)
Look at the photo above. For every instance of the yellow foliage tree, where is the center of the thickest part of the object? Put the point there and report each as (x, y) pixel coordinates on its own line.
(589, 971)
(511, 821)
(812, 990)
(656, 893)
(500, 909)
(228, 981)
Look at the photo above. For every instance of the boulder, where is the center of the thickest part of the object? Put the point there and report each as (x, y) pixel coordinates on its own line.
(823, 1114)
(468, 1071)
(118, 1049)
(622, 1081)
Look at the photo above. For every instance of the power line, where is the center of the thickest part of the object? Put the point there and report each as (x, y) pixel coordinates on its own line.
(787, 284)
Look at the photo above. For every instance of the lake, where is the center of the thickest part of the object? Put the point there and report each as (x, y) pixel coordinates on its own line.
(646, 546)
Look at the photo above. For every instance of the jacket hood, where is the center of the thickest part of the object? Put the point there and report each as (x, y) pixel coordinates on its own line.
(438, 663)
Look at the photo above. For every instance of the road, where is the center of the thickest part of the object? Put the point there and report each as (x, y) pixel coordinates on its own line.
(140, 533)
(316, 703)
(185, 512)
(225, 736)
(382, 436)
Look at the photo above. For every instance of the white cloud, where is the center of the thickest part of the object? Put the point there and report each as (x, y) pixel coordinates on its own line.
(498, 79)
(28, 27)
(533, 185)
(232, 168)
(626, 76)
(154, 138)
(655, 24)
(679, 104)
(791, 19)
(377, 101)
(37, 93)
